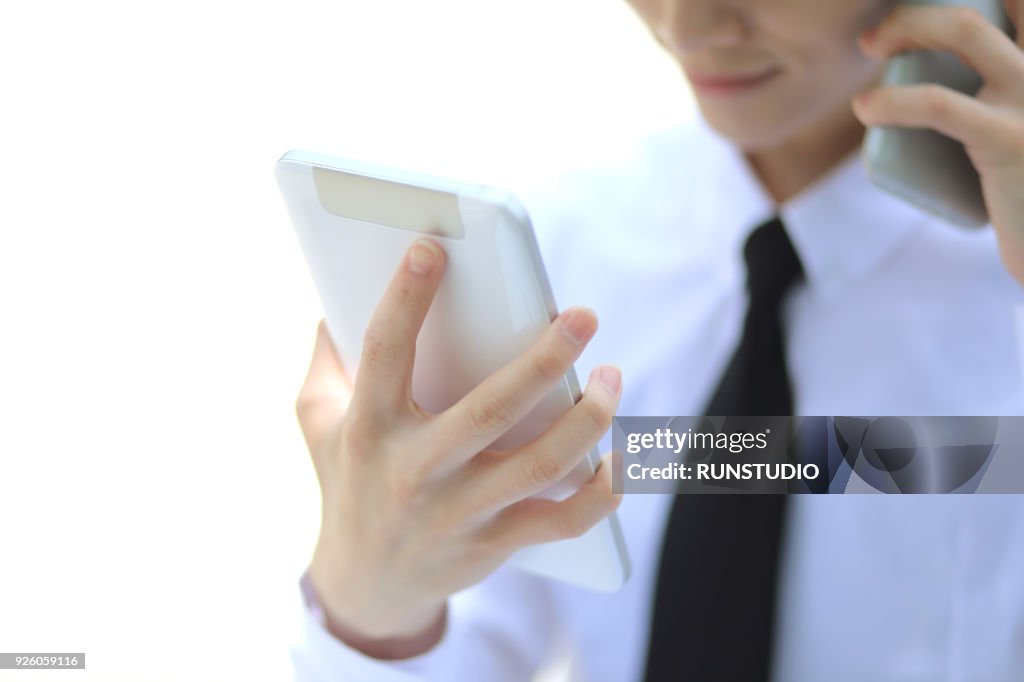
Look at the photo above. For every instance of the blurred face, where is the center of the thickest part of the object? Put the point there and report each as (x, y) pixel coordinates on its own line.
(765, 71)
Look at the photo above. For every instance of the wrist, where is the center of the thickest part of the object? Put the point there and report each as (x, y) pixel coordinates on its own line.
(407, 644)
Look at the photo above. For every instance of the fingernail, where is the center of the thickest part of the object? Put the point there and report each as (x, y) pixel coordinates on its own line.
(610, 377)
(577, 325)
(422, 257)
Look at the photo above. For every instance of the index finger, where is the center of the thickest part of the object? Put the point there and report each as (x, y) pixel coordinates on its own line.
(384, 377)
(961, 30)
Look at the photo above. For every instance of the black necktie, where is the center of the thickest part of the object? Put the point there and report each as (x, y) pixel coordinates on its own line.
(715, 598)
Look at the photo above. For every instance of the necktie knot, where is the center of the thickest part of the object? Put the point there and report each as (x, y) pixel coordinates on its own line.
(773, 265)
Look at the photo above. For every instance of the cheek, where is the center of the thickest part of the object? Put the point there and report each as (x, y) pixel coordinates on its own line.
(826, 63)
(808, 20)
(842, 70)
(817, 34)
(647, 10)
(820, 83)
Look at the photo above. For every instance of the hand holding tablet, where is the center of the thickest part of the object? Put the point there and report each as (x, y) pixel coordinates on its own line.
(445, 421)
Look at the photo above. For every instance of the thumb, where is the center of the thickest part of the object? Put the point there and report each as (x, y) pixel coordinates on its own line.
(327, 391)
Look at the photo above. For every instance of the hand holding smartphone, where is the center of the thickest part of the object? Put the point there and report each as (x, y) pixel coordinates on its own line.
(920, 165)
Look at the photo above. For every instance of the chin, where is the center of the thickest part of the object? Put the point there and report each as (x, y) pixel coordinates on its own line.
(750, 132)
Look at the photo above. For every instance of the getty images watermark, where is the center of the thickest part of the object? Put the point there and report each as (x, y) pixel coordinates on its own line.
(737, 455)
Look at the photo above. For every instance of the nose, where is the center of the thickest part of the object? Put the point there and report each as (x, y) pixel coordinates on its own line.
(686, 26)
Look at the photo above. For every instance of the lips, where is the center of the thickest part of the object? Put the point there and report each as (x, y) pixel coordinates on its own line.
(729, 82)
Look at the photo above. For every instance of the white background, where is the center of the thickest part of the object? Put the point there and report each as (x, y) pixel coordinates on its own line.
(156, 501)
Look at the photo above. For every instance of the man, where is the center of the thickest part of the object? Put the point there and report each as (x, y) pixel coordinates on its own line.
(888, 312)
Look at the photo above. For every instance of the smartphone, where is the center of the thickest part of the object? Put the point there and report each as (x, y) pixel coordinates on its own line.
(920, 165)
(354, 222)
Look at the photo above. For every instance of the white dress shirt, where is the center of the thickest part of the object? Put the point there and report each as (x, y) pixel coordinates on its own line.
(901, 314)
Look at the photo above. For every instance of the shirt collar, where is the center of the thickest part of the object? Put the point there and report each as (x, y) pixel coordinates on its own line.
(842, 226)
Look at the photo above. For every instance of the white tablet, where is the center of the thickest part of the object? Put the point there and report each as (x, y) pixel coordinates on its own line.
(355, 221)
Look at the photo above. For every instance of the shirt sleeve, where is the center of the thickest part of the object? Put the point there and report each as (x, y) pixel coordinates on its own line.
(497, 630)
